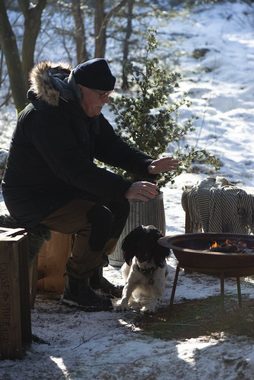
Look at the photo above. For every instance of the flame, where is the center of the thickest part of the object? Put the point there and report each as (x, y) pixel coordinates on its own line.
(214, 244)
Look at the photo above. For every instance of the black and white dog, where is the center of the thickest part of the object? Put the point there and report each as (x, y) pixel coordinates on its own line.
(144, 271)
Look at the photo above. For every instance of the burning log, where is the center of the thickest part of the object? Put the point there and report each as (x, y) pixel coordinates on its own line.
(230, 246)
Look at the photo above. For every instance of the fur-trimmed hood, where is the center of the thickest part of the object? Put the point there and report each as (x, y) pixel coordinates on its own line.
(52, 81)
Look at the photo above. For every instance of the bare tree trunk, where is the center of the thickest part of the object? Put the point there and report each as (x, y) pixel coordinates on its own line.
(32, 26)
(6, 97)
(101, 20)
(80, 37)
(126, 44)
(12, 58)
(99, 29)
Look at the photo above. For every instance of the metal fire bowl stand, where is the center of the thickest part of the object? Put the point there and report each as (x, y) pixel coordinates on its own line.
(190, 251)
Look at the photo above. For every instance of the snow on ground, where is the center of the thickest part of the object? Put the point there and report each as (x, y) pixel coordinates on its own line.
(106, 345)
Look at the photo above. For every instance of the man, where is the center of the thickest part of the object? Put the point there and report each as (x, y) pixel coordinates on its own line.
(51, 177)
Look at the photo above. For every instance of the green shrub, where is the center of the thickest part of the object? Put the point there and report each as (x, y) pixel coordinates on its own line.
(147, 117)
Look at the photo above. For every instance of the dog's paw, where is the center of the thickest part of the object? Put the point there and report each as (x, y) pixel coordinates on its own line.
(149, 309)
(121, 305)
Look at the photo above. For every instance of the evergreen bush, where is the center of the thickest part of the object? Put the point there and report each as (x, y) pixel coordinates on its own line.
(147, 117)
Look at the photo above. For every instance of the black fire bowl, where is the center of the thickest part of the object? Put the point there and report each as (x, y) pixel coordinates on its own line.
(192, 251)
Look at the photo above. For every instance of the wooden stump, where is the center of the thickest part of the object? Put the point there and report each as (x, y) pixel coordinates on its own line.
(51, 262)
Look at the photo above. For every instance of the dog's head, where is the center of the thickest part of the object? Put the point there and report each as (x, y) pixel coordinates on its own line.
(142, 242)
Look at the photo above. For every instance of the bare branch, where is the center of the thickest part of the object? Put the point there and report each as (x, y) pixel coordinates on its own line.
(108, 16)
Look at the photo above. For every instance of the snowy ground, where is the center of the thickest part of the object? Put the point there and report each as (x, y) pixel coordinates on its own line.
(106, 345)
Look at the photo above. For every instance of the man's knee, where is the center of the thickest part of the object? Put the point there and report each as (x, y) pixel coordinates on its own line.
(120, 210)
(101, 219)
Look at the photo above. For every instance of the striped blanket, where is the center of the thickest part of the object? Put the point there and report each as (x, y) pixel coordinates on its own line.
(218, 206)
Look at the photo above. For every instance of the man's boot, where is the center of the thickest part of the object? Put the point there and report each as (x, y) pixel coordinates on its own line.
(79, 293)
(98, 282)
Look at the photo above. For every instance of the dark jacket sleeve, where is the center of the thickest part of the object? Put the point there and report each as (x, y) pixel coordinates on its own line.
(52, 135)
(111, 149)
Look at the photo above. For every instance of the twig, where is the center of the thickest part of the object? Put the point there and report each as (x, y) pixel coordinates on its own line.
(85, 341)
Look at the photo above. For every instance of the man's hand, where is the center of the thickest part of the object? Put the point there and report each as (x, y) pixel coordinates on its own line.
(142, 191)
(162, 165)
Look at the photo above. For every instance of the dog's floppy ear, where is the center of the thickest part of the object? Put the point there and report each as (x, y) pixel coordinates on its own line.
(129, 244)
(154, 233)
(161, 254)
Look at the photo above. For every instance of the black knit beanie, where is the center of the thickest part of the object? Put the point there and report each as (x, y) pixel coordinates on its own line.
(94, 74)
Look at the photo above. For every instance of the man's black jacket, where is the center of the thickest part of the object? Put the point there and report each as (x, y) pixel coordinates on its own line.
(52, 152)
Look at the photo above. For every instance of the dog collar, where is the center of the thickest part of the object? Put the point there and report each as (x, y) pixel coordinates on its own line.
(146, 271)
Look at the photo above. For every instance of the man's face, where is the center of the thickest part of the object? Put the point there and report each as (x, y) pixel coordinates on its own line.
(92, 101)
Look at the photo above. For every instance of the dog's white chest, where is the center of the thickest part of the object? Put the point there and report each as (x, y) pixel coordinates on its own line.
(147, 275)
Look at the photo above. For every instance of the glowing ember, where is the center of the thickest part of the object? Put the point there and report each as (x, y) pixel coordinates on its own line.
(230, 246)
